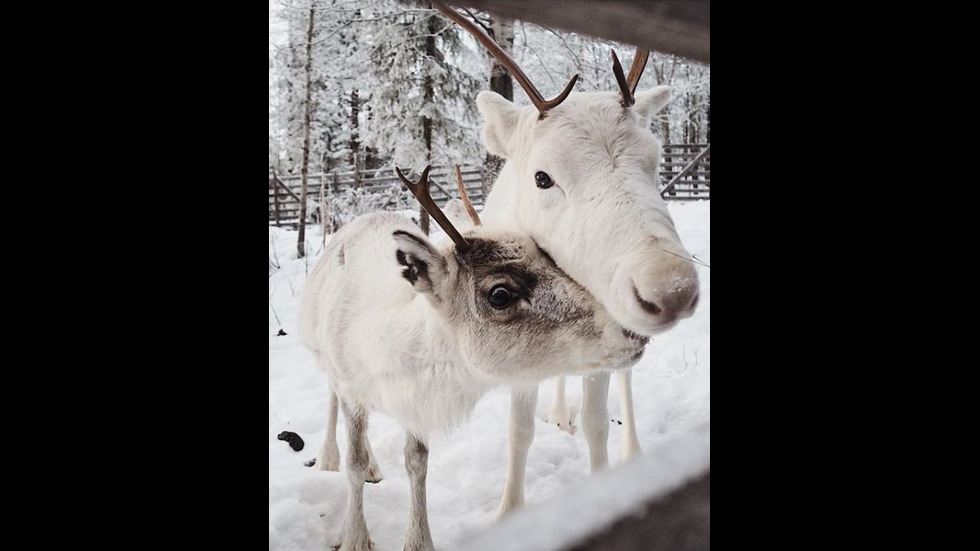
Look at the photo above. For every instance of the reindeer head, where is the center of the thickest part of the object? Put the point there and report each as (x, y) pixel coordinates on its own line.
(582, 180)
(518, 317)
(584, 184)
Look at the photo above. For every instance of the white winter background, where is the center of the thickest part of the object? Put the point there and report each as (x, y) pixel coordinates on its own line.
(467, 468)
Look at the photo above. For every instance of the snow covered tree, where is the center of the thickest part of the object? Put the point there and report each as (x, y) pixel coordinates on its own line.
(423, 108)
(394, 83)
(333, 75)
(418, 65)
(502, 31)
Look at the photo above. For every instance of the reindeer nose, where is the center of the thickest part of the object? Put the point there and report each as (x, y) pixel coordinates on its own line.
(667, 306)
(653, 292)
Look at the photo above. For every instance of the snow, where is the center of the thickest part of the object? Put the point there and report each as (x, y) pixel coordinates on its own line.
(467, 468)
(602, 499)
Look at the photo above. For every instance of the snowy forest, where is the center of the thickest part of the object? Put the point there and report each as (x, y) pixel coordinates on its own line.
(394, 84)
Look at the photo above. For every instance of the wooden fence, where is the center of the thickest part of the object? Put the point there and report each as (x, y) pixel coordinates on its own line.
(685, 171)
(284, 191)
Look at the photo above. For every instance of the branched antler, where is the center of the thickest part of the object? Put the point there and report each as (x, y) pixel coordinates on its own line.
(421, 192)
(508, 62)
(627, 85)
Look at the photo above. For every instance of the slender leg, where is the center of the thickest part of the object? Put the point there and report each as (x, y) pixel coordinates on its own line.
(354, 534)
(630, 444)
(329, 458)
(595, 419)
(418, 537)
(522, 404)
(559, 409)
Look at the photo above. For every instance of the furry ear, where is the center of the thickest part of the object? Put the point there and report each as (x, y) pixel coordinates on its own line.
(650, 102)
(500, 121)
(422, 264)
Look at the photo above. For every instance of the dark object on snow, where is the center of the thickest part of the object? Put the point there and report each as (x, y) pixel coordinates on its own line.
(281, 334)
(310, 463)
(616, 421)
(294, 440)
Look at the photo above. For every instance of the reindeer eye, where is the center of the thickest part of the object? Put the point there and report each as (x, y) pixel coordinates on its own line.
(500, 297)
(543, 180)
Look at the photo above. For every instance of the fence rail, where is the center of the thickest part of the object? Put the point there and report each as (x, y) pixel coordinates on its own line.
(694, 183)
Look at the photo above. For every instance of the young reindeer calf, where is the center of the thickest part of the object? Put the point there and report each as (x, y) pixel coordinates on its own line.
(420, 333)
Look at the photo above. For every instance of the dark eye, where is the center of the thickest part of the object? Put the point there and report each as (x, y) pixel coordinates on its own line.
(543, 180)
(499, 297)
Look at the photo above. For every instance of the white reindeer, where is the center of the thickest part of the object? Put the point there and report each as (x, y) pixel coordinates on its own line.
(581, 178)
(420, 333)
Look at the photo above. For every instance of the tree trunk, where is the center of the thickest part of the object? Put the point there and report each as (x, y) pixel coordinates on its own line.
(355, 142)
(323, 209)
(428, 98)
(501, 30)
(687, 120)
(707, 124)
(307, 116)
(659, 71)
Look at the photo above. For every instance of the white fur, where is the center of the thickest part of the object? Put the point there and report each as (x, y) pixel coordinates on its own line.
(424, 352)
(603, 222)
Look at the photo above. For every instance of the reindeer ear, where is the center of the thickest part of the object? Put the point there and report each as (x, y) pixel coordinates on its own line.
(500, 121)
(421, 263)
(650, 102)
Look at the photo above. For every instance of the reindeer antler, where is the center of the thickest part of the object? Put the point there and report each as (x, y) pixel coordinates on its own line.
(627, 85)
(508, 62)
(421, 192)
(466, 199)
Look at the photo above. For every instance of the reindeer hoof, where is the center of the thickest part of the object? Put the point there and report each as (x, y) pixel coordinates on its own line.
(373, 475)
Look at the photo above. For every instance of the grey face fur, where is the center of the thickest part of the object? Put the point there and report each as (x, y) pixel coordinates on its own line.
(550, 322)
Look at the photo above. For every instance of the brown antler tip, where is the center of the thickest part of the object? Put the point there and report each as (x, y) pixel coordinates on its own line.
(467, 204)
(404, 180)
(422, 179)
(624, 86)
(568, 89)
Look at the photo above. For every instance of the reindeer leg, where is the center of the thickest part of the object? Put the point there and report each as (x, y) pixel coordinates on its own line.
(354, 534)
(329, 457)
(418, 537)
(522, 405)
(559, 414)
(630, 445)
(595, 419)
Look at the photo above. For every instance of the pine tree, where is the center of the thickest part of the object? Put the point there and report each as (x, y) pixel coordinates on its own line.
(402, 70)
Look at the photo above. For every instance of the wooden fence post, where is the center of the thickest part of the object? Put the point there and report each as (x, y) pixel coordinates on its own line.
(483, 183)
(275, 196)
(323, 210)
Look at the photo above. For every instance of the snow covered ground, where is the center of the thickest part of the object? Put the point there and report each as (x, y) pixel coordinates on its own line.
(467, 469)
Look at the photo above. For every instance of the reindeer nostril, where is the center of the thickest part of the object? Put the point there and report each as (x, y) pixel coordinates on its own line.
(648, 306)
